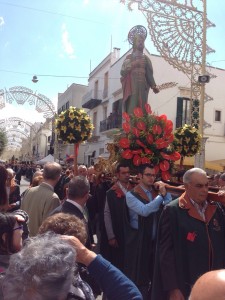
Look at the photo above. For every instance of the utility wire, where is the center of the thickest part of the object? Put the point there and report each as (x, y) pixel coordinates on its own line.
(52, 75)
(50, 12)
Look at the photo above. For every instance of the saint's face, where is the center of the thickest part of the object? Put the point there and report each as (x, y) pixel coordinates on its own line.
(139, 43)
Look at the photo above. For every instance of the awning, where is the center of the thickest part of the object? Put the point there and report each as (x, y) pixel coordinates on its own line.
(220, 162)
(48, 158)
(211, 165)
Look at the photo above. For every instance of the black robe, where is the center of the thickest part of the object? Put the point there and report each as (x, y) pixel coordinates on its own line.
(117, 205)
(139, 245)
(187, 247)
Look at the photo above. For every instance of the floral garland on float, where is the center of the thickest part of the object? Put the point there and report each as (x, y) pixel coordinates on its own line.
(187, 141)
(74, 126)
(147, 138)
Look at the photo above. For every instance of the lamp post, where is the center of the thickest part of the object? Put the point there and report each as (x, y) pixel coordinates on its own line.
(200, 157)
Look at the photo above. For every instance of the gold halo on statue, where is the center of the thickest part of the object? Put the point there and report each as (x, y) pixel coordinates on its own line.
(137, 30)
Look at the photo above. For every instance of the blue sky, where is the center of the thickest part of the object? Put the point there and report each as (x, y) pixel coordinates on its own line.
(70, 37)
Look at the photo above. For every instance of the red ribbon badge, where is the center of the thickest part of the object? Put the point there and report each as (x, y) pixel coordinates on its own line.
(191, 236)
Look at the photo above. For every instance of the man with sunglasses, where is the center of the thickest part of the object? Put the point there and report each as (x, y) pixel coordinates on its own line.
(191, 239)
(143, 202)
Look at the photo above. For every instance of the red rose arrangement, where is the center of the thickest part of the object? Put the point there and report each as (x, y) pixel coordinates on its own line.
(147, 138)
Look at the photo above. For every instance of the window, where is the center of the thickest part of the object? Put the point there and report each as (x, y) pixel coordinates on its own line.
(117, 113)
(96, 90)
(217, 115)
(104, 112)
(183, 111)
(187, 113)
(95, 122)
(106, 81)
(67, 104)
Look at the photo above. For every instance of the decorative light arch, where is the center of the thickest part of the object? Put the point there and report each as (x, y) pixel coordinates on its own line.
(13, 138)
(17, 130)
(13, 145)
(23, 95)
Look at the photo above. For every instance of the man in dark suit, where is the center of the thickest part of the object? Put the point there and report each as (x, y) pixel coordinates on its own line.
(75, 204)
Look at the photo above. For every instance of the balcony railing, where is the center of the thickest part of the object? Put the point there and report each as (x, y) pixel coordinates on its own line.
(113, 121)
(92, 99)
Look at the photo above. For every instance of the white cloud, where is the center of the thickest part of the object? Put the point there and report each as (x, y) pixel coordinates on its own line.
(86, 2)
(66, 43)
(2, 22)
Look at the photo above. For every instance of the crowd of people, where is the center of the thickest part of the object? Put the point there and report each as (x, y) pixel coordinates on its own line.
(76, 236)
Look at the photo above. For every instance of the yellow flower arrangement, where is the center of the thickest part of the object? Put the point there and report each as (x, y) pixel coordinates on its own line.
(73, 126)
(187, 140)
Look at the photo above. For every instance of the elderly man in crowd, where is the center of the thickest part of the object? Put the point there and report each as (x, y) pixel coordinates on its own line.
(191, 239)
(82, 171)
(39, 201)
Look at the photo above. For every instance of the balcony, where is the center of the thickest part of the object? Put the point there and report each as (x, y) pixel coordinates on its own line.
(92, 99)
(112, 122)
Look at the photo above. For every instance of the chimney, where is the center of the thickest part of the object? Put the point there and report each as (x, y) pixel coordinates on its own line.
(116, 52)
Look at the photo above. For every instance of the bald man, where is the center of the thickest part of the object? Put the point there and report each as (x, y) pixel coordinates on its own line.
(210, 286)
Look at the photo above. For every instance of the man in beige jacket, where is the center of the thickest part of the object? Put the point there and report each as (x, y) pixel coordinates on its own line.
(39, 201)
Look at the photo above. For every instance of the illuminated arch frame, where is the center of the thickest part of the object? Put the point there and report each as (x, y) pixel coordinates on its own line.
(23, 95)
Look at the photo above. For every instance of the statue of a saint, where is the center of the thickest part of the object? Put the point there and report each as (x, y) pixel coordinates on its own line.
(137, 72)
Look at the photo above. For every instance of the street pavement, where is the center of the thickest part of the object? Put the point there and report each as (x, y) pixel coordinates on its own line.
(24, 184)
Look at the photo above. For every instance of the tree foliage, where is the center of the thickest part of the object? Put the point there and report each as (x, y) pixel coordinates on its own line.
(3, 141)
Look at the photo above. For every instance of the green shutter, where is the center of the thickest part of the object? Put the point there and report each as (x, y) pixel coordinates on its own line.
(179, 116)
